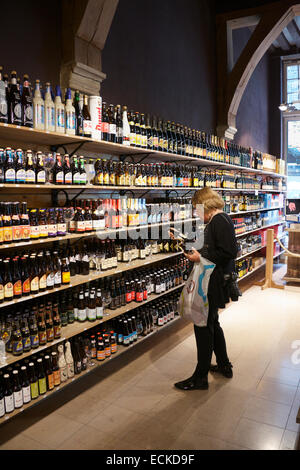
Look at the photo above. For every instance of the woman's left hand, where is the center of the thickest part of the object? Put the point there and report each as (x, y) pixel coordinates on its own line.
(194, 257)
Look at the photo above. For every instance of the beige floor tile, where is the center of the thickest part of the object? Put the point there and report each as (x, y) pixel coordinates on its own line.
(190, 441)
(276, 391)
(283, 375)
(268, 412)
(290, 441)
(138, 400)
(83, 408)
(117, 421)
(256, 436)
(52, 430)
(22, 442)
(87, 438)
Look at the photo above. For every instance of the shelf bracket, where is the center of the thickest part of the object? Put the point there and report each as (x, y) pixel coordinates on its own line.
(54, 148)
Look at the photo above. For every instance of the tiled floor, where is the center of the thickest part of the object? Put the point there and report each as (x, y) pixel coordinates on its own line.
(131, 403)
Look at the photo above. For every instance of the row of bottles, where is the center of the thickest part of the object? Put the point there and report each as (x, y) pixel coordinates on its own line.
(33, 273)
(256, 221)
(240, 203)
(26, 167)
(41, 109)
(44, 372)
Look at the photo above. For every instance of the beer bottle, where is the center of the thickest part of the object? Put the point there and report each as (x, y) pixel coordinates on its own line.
(69, 360)
(15, 111)
(2, 166)
(105, 123)
(42, 328)
(16, 280)
(78, 113)
(16, 224)
(7, 281)
(68, 177)
(49, 373)
(9, 166)
(70, 309)
(59, 111)
(17, 390)
(3, 100)
(126, 128)
(119, 125)
(25, 384)
(83, 176)
(34, 332)
(8, 394)
(82, 313)
(20, 167)
(56, 321)
(58, 171)
(42, 382)
(27, 106)
(38, 108)
(57, 269)
(70, 116)
(24, 223)
(49, 325)
(55, 369)
(25, 335)
(77, 357)
(62, 364)
(40, 169)
(87, 122)
(75, 171)
(30, 177)
(112, 124)
(99, 305)
(91, 310)
(65, 272)
(49, 110)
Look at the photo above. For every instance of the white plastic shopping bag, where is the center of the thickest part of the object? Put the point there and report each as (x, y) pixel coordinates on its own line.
(193, 302)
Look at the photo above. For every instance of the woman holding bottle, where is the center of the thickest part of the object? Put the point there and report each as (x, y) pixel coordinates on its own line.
(220, 247)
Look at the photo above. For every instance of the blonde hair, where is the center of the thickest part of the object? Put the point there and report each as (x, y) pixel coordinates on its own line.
(209, 199)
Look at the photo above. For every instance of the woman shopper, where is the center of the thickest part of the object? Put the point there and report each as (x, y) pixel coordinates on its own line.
(220, 247)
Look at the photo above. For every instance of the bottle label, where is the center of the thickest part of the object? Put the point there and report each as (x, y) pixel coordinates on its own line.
(50, 117)
(56, 377)
(70, 121)
(34, 284)
(25, 232)
(50, 280)
(59, 177)
(63, 374)
(18, 288)
(100, 355)
(60, 118)
(70, 370)
(52, 230)
(34, 231)
(80, 226)
(43, 231)
(17, 346)
(139, 297)
(76, 178)
(68, 178)
(99, 312)
(18, 399)
(20, 176)
(43, 282)
(34, 340)
(50, 334)
(81, 314)
(39, 112)
(42, 337)
(105, 127)
(61, 229)
(10, 175)
(26, 394)
(7, 234)
(1, 292)
(87, 127)
(9, 403)
(17, 233)
(30, 176)
(66, 277)
(8, 290)
(57, 278)
(42, 386)
(41, 176)
(26, 343)
(34, 388)
(91, 314)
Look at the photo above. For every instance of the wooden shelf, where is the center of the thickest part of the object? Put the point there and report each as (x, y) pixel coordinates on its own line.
(254, 210)
(258, 267)
(34, 136)
(260, 228)
(100, 234)
(93, 187)
(121, 350)
(80, 279)
(77, 328)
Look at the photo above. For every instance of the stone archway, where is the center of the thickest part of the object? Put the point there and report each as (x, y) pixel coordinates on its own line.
(232, 83)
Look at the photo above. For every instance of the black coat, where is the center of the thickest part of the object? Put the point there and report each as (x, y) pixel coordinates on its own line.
(220, 247)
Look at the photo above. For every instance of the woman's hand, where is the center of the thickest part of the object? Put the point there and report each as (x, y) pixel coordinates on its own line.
(194, 257)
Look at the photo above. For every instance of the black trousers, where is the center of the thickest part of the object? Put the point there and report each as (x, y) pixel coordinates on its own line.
(210, 339)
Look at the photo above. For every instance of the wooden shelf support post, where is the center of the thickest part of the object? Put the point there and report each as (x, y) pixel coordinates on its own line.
(268, 281)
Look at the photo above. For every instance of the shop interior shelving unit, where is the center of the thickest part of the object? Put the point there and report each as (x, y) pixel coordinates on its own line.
(20, 137)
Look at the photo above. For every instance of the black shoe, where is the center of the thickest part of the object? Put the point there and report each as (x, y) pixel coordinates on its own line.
(224, 370)
(193, 384)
